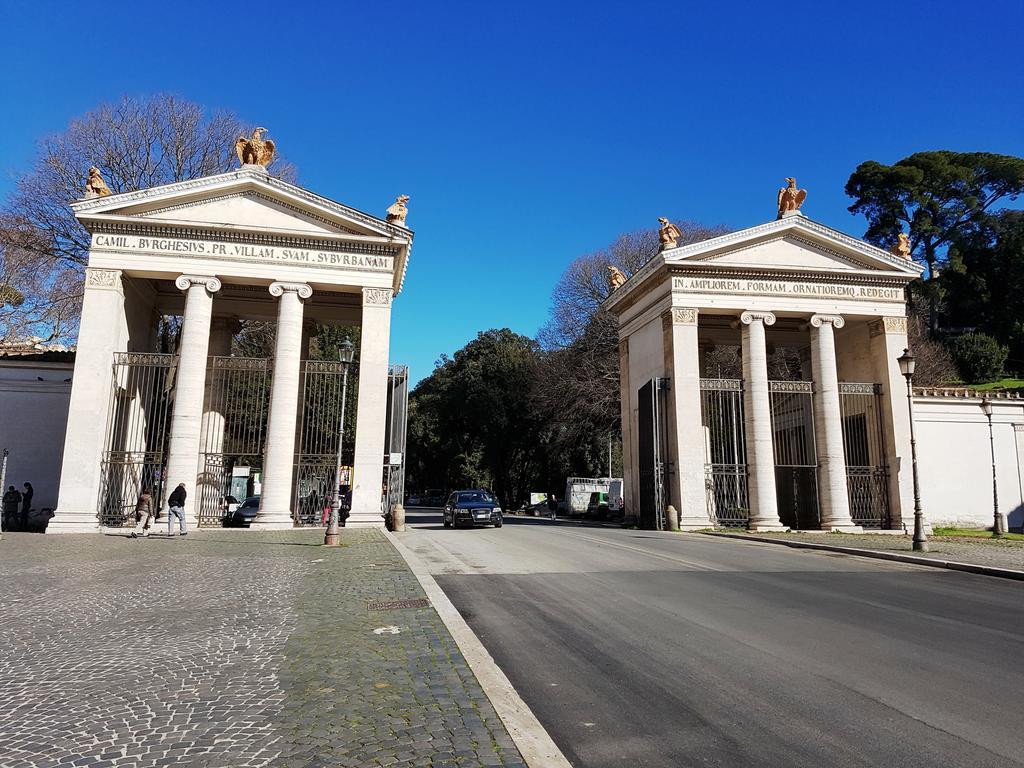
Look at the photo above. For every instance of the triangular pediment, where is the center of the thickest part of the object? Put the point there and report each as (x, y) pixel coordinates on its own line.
(796, 244)
(246, 199)
(251, 209)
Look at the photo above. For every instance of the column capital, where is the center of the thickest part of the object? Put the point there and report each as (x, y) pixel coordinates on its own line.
(748, 317)
(837, 321)
(280, 289)
(682, 316)
(184, 282)
(377, 297)
(103, 278)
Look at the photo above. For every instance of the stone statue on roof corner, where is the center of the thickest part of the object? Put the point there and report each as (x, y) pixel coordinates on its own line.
(616, 277)
(95, 186)
(397, 212)
(668, 234)
(254, 150)
(791, 198)
(902, 246)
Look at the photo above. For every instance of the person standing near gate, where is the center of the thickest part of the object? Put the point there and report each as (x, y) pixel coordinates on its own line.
(26, 505)
(143, 513)
(176, 509)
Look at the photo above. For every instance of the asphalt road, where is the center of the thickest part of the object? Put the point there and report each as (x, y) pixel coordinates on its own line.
(637, 648)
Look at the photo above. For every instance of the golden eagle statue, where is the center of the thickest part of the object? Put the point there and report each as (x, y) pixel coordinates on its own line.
(791, 198)
(254, 150)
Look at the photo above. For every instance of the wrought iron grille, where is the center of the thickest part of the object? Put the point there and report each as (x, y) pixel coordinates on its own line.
(394, 447)
(136, 434)
(233, 432)
(867, 471)
(317, 456)
(725, 468)
(796, 462)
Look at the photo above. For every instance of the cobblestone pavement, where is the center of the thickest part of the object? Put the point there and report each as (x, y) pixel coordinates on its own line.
(229, 649)
(998, 553)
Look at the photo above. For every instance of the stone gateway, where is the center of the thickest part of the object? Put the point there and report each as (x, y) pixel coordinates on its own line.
(215, 251)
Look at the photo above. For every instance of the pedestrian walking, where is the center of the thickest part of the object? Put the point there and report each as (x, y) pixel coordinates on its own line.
(143, 514)
(176, 509)
(552, 506)
(26, 505)
(10, 503)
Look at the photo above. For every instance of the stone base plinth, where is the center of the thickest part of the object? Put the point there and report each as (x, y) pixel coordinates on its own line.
(843, 528)
(768, 527)
(74, 522)
(364, 520)
(273, 521)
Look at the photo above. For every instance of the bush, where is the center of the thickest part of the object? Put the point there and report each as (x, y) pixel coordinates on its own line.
(979, 357)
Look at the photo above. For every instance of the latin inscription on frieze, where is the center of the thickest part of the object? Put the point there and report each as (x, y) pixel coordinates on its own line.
(238, 251)
(786, 288)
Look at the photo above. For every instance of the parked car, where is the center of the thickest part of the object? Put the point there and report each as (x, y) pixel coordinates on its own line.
(245, 513)
(228, 504)
(472, 508)
(414, 500)
(434, 497)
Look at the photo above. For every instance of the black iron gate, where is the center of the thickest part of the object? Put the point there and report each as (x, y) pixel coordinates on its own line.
(796, 461)
(867, 471)
(233, 432)
(725, 468)
(137, 433)
(323, 388)
(652, 434)
(394, 441)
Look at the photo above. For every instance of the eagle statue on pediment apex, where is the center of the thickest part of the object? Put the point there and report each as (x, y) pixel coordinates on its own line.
(255, 150)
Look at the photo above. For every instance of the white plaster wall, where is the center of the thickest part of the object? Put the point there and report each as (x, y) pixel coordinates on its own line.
(955, 464)
(34, 418)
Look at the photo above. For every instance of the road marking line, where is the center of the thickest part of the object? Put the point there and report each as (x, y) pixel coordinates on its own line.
(673, 558)
(533, 741)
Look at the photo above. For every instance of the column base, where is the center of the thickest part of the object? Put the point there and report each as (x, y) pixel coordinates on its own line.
(767, 527)
(272, 521)
(74, 522)
(695, 524)
(843, 528)
(364, 520)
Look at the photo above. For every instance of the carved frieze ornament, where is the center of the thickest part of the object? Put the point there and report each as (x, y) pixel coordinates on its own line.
(95, 186)
(380, 297)
(684, 316)
(616, 277)
(397, 212)
(791, 198)
(255, 150)
(895, 325)
(102, 278)
(668, 234)
(902, 246)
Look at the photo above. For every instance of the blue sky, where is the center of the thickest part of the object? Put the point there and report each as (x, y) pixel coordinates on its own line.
(529, 133)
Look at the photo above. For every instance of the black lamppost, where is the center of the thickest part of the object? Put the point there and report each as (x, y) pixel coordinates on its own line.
(332, 537)
(907, 365)
(997, 519)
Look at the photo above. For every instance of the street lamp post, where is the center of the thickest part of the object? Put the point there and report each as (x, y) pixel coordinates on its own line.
(907, 364)
(997, 519)
(332, 537)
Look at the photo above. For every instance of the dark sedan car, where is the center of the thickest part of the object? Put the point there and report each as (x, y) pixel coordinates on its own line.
(471, 508)
(245, 514)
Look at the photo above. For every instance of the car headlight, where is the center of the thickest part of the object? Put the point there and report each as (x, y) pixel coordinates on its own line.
(496, 510)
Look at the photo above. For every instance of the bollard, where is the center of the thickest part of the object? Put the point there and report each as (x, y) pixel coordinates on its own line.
(672, 518)
(398, 518)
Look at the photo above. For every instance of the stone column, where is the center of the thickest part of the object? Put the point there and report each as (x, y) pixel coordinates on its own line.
(101, 333)
(828, 427)
(371, 410)
(279, 458)
(757, 420)
(189, 389)
(686, 485)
